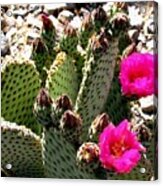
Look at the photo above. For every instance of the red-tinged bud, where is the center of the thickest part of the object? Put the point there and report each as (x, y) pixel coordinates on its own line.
(43, 99)
(88, 154)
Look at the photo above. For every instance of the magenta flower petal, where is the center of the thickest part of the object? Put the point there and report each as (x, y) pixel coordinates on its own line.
(127, 162)
(119, 148)
(137, 75)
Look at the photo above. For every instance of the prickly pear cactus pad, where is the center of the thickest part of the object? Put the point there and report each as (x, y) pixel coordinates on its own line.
(21, 148)
(62, 77)
(20, 86)
(97, 77)
(60, 158)
(79, 89)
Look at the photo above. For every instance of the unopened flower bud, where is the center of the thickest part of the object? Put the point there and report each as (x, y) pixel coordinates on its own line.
(97, 126)
(119, 21)
(99, 14)
(64, 103)
(43, 98)
(99, 43)
(46, 21)
(71, 126)
(88, 155)
(42, 108)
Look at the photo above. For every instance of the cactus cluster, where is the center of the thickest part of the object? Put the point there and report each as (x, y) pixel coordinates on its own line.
(55, 105)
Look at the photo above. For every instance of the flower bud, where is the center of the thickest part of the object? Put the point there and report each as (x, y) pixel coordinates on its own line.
(43, 99)
(97, 126)
(64, 103)
(88, 155)
(46, 21)
(71, 126)
(119, 22)
(99, 43)
(42, 108)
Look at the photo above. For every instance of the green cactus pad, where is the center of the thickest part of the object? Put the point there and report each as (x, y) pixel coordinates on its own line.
(116, 105)
(60, 157)
(69, 45)
(152, 148)
(44, 54)
(97, 77)
(79, 63)
(63, 78)
(20, 86)
(69, 40)
(22, 149)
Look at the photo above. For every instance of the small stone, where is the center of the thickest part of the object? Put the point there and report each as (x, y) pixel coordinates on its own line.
(151, 44)
(76, 22)
(9, 22)
(27, 52)
(11, 33)
(84, 11)
(133, 34)
(142, 38)
(139, 46)
(150, 26)
(57, 25)
(65, 16)
(134, 16)
(33, 35)
(107, 7)
(14, 50)
(19, 22)
(51, 7)
(33, 7)
(20, 12)
(149, 103)
(4, 45)
(35, 23)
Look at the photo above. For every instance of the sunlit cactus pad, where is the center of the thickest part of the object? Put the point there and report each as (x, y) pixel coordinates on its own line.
(20, 86)
(79, 91)
(21, 149)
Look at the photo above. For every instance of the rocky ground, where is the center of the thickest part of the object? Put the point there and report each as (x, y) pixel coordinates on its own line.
(21, 25)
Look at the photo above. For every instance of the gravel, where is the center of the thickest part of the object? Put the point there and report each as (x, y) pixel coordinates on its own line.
(21, 24)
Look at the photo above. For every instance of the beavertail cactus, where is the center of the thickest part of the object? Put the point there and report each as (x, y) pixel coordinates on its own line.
(44, 53)
(21, 148)
(81, 79)
(20, 86)
(69, 40)
(59, 80)
(97, 77)
(86, 31)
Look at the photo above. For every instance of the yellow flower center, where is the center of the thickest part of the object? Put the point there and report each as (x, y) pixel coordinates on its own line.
(118, 148)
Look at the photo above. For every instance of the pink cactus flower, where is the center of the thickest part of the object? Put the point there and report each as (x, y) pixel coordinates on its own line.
(119, 148)
(137, 75)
